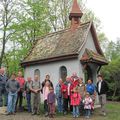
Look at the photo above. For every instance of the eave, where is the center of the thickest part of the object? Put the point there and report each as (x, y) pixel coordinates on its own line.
(48, 60)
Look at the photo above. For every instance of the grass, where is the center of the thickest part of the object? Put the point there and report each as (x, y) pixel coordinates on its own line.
(113, 113)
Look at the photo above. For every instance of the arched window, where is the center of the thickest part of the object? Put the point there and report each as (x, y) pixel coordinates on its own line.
(37, 72)
(88, 73)
(63, 73)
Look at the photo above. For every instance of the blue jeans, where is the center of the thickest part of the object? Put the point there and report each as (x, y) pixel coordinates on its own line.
(75, 111)
(60, 104)
(28, 97)
(87, 112)
(12, 98)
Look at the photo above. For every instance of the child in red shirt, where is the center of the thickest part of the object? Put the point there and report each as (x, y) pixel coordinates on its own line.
(75, 102)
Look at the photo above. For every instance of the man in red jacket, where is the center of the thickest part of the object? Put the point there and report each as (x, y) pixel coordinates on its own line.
(21, 81)
(66, 89)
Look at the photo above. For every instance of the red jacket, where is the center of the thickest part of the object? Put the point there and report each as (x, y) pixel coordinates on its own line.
(21, 82)
(75, 83)
(75, 99)
(64, 90)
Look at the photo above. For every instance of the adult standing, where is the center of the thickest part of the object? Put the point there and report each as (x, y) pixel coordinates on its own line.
(91, 89)
(102, 88)
(12, 87)
(3, 92)
(66, 89)
(35, 95)
(59, 96)
(81, 88)
(21, 81)
(82, 92)
(75, 79)
(47, 78)
(28, 84)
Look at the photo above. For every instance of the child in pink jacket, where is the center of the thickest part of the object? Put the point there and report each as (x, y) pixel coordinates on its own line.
(75, 102)
(87, 105)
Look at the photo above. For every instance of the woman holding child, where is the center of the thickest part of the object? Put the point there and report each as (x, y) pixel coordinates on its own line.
(91, 89)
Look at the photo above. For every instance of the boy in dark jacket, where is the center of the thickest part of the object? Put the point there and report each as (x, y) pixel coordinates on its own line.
(51, 102)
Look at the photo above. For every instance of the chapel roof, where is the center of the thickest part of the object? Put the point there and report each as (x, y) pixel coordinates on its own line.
(64, 44)
(61, 43)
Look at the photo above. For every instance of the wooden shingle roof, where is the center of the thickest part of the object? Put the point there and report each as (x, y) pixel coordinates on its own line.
(64, 44)
(91, 56)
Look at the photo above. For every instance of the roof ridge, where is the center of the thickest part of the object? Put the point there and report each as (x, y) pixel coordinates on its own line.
(66, 29)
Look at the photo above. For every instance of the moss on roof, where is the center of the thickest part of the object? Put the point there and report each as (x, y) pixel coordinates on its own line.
(59, 43)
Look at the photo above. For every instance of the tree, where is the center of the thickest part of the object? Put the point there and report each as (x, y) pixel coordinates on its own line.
(112, 51)
(112, 71)
(34, 18)
(30, 23)
(112, 75)
(6, 18)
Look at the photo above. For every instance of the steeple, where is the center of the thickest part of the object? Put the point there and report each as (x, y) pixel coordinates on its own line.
(75, 15)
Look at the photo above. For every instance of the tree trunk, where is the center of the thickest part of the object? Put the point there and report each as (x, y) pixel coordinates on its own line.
(3, 48)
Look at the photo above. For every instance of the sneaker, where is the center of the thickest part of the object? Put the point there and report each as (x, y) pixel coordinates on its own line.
(46, 114)
(33, 113)
(74, 116)
(104, 114)
(87, 117)
(77, 116)
(8, 113)
(65, 113)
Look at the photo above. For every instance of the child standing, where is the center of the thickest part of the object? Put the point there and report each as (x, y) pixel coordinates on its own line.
(45, 96)
(75, 102)
(87, 105)
(51, 102)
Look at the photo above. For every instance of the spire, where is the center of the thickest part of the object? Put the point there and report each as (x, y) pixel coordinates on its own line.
(75, 15)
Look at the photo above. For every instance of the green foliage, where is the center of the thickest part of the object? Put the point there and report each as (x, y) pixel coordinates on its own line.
(34, 18)
(112, 75)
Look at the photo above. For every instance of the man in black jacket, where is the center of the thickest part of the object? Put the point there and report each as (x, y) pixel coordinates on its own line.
(3, 92)
(102, 88)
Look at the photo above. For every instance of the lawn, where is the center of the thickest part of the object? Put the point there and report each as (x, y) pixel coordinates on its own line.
(113, 109)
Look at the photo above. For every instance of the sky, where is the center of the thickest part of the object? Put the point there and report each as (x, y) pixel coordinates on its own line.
(108, 13)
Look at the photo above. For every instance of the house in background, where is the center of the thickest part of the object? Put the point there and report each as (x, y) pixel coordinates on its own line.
(61, 53)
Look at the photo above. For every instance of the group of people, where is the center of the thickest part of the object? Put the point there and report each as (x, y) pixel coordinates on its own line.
(71, 95)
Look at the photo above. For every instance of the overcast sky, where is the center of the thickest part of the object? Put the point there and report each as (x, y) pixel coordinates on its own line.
(108, 12)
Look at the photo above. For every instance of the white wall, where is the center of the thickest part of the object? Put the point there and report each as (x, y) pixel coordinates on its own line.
(53, 70)
(89, 45)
